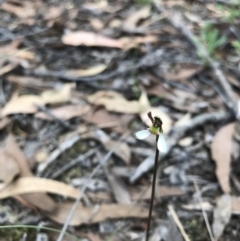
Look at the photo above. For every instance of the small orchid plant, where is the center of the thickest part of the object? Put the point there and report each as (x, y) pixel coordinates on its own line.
(155, 129)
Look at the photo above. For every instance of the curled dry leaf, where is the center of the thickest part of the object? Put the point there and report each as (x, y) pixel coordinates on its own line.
(222, 215)
(90, 39)
(26, 185)
(221, 148)
(114, 101)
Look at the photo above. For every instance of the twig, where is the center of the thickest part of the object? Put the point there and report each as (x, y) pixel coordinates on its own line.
(153, 189)
(64, 124)
(176, 21)
(95, 171)
(61, 148)
(74, 162)
(203, 211)
(148, 60)
(178, 223)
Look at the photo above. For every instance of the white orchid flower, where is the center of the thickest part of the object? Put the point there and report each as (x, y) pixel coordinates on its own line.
(156, 129)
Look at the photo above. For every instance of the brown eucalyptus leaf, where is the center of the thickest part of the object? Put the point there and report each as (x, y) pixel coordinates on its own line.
(97, 69)
(114, 101)
(79, 38)
(66, 112)
(27, 185)
(9, 168)
(46, 203)
(221, 148)
(97, 213)
(119, 190)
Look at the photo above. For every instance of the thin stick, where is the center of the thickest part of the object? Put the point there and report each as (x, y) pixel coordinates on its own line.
(203, 211)
(153, 189)
(178, 223)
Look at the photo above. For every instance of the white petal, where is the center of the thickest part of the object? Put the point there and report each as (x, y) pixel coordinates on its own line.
(162, 145)
(142, 134)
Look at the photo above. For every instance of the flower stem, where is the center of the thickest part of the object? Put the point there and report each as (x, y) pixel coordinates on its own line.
(153, 189)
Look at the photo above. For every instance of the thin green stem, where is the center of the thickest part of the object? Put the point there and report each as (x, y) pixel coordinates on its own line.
(37, 227)
(153, 189)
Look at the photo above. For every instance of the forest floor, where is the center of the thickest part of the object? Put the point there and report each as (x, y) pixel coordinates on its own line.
(77, 81)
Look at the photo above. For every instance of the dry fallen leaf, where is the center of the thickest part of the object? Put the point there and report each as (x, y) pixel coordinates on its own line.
(65, 112)
(12, 148)
(144, 192)
(28, 103)
(183, 74)
(9, 168)
(53, 12)
(90, 39)
(4, 122)
(61, 95)
(132, 42)
(221, 148)
(97, 69)
(30, 82)
(114, 101)
(22, 12)
(132, 21)
(123, 150)
(26, 185)
(235, 205)
(7, 68)
(104, 119)
(22, 104)
(98, 213)
(119, 190)
(222, 215)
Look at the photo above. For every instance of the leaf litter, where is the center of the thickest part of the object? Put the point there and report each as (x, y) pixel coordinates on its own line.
(73, 80)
